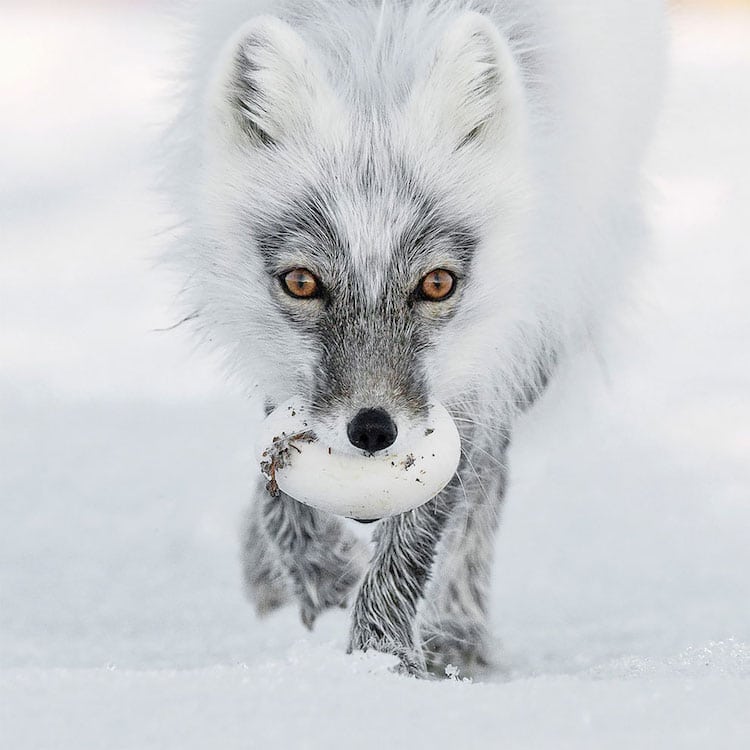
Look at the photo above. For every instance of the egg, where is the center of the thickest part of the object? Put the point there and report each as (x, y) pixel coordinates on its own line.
(355, 484)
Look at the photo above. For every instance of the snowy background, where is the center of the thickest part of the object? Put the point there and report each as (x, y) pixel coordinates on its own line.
(622, 597)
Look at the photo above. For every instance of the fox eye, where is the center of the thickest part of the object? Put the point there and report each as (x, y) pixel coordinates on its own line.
(437, 285)
(301, 283)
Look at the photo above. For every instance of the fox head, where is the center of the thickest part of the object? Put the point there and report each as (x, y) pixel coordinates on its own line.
(359, 243)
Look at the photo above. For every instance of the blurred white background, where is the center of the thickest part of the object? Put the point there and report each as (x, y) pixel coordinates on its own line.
(622, 599)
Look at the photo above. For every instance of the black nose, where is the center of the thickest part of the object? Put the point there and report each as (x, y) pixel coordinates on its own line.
(372, 430)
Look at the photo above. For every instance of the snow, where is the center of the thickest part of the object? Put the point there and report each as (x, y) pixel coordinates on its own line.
(622, 600)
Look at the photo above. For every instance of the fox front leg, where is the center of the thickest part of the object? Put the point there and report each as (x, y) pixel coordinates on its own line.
(322, 559)
(385, 611)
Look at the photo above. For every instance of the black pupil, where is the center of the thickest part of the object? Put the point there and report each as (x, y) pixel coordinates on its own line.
(301, 282)
(437, 283)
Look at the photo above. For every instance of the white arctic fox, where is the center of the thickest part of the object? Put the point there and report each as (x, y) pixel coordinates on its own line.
(391, 202)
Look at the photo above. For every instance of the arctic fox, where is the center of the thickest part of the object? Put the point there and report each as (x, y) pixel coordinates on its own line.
(393, 202)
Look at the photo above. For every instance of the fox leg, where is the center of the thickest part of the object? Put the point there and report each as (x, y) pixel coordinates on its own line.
(267, 583)
(454, 618)
(295, 550)
(385, 611)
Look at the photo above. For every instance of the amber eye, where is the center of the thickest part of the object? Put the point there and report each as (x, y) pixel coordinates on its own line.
(299, 282)
(437, 285)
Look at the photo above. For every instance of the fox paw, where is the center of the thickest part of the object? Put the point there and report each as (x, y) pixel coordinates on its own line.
(393, 636)
(463, 645)
(410, 659)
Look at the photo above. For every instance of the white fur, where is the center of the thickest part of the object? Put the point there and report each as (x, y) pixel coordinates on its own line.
(552, 178)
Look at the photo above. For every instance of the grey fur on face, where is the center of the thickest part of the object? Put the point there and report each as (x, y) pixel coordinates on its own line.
(370, 328)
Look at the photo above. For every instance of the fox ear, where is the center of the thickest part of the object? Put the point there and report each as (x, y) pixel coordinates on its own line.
(472, 91)
(270, 87)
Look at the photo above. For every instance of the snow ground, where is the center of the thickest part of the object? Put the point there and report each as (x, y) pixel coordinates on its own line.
(622, 600)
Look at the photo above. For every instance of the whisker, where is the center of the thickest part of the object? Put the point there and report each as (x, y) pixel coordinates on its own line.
(500, 464)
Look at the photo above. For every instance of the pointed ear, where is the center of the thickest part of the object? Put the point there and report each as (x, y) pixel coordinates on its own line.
(270, 86)
(472, 92)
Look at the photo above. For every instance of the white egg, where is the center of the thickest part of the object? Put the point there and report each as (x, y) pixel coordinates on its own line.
(358, 485)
